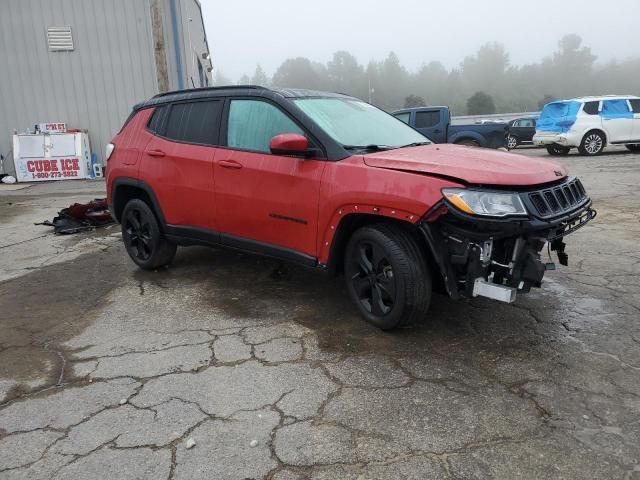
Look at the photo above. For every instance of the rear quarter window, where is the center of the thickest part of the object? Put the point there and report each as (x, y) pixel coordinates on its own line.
(591, 108)
(158, 120)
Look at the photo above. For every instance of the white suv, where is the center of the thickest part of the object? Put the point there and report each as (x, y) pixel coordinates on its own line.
(589, 123)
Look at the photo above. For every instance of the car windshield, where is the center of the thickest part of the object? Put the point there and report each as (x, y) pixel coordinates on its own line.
(354, 123)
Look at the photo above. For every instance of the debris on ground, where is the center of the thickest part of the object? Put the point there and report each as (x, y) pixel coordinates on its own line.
(80, 217)
(8, 179)
(190, 443)
(253, 443)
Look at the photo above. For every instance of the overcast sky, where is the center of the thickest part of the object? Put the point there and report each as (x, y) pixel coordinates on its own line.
(242, 34)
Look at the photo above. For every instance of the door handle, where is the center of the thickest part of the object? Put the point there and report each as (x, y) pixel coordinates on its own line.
(156, 153)
(230, 164)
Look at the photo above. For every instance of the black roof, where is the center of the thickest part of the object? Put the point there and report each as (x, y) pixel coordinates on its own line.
(248, 90)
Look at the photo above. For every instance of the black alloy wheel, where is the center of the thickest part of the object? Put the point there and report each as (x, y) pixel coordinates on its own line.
(387, 275)
(374, 282)
(143, 239)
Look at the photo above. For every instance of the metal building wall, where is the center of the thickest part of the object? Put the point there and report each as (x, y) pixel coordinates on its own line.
(94, 86)
(185, 42)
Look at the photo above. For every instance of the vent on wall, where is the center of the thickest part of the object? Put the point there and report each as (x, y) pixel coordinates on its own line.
(59, 38)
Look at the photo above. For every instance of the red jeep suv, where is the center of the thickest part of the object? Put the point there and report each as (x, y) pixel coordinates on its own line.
(331, 182)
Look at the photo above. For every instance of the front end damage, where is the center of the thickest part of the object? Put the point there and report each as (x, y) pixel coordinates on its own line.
(500, 257)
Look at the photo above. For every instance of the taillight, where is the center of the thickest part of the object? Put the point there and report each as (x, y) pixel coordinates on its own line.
(108, 151)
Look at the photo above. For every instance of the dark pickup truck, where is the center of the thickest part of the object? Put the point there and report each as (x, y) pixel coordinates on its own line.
(435, 123)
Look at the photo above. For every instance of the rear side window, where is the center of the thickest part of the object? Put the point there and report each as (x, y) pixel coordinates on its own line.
(427, 119)
(253, 123)
(635, 104)
(194, 122)
(158, 120)
(591, 108)
(616, 109)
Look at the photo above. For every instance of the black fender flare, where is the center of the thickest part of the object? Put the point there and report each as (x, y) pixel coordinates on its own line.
(140, 185)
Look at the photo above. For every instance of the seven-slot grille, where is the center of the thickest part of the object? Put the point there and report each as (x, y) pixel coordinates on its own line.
(553, 201)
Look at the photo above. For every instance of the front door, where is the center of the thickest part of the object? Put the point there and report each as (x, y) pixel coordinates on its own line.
(524, 129)
(265, 200)
(432, 124)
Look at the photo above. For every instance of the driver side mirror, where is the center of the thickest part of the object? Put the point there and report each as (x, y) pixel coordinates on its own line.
(291, 144)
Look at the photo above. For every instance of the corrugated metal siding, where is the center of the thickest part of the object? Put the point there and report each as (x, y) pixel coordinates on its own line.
(111, 68)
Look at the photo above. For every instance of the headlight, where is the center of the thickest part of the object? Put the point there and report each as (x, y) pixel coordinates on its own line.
(490, 204)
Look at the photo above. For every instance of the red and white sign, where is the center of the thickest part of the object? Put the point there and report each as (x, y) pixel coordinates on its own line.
(39, 169)
(56, 127)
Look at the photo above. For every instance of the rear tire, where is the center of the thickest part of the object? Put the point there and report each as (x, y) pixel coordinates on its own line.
(592, 144)
(633, 147)
(557, 150)
(387, 276)
(512, 142)
(143, 239)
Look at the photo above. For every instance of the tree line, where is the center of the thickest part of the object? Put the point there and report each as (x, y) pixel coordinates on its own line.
(483, 83)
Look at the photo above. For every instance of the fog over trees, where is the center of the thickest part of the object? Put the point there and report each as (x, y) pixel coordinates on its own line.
(484, 82)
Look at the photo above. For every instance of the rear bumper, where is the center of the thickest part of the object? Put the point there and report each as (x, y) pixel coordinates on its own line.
(568, 139)
(498, 258)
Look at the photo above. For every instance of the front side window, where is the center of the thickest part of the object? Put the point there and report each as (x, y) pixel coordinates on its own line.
(403, 117)
(427, 119)
(253, 123)
(635, 104)
(352, 122)
(194, 122)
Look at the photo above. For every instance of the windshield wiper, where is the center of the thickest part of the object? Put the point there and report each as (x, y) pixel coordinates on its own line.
(414, 144)
(370, 148)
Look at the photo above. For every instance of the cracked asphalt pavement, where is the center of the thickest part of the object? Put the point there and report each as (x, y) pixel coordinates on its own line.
(111, 372)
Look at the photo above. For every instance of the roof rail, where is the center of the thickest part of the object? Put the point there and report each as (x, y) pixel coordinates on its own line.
(203, 89)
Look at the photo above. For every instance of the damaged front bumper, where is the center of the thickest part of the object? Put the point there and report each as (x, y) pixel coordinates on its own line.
(498, 258)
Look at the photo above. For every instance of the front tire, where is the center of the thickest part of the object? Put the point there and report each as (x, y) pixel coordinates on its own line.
(592, 144)
(468, 142)
(143, 239)
(512, 142)
(557, 150)
(633, 147)
(387, 276)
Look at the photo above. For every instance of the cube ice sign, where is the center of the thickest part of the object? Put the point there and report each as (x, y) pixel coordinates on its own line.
(55, 127)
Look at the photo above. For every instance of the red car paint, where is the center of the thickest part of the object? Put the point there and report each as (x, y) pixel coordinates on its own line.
(298, 203)
(473, 165)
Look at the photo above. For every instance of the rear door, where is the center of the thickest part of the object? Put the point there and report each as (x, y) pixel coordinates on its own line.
(524, 129)
(432, 124)
(178, 161)
(264, 198)
(635, 106)
(617, 120)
